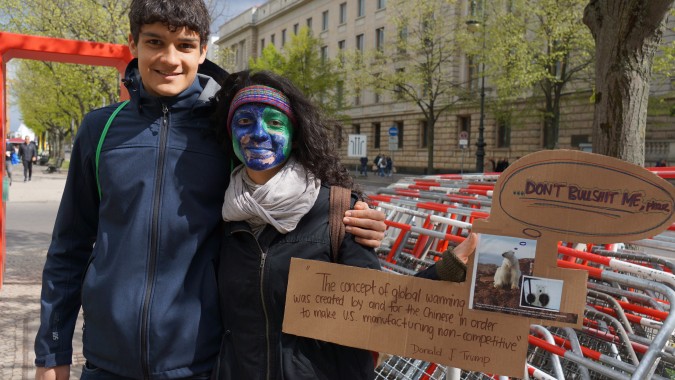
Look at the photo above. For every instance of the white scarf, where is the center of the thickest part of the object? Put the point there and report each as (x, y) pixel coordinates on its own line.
(281, 202)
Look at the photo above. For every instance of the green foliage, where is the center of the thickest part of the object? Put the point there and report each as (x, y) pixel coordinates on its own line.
(88, 20)
(301, 62)
(53, 96)
(225, 58)
(535, 48)
(664, 61)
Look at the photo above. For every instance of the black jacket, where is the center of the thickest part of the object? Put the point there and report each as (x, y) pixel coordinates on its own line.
(28, 151)
(253, 275)
(141, 260)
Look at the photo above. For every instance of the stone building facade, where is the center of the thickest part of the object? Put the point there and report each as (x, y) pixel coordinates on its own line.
(344, 24)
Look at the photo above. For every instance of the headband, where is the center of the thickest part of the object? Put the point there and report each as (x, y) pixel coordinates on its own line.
(259, 94)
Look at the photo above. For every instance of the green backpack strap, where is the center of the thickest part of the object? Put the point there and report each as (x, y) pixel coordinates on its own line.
(102, 138)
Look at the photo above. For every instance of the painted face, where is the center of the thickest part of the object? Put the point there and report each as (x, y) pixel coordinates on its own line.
(261, 136)
(167, 61)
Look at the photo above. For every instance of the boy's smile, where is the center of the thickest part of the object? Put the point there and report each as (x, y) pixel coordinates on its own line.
(167, 61)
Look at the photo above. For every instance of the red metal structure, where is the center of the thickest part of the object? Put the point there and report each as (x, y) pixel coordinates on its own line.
(56, 50)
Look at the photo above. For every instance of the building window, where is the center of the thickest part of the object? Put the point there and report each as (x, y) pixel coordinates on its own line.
(381, 4)
(398, 87)
(399, 126)
(379, 39)
(309, 24)
(324, 20)
(577, 140)
(402, 39)
(262, 45)
(295, 29)
(283, 38)
(359, 43)
(341, 50)
(503, 132)
(464, 124)
(377, 97)
(377, 131)
(324, 54)
(361, 8)
(471, 74)
(272, 38)
(340, 93)
(356, 128)
(424, 132)
(240, 54)
(357, 99)
(343, 13)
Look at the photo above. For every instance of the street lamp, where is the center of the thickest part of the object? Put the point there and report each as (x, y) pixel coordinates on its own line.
(480, 143)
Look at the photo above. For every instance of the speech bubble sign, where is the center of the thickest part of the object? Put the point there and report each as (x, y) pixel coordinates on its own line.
(581, 196)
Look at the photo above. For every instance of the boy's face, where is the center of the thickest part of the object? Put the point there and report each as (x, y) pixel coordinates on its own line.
(168, 61)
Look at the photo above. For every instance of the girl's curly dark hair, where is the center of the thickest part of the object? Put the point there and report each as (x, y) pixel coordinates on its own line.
(313, 143)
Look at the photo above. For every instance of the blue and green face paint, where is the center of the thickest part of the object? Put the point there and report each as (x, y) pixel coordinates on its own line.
(262, 136)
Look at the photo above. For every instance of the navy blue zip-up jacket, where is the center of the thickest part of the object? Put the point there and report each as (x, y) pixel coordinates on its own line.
(141, 260)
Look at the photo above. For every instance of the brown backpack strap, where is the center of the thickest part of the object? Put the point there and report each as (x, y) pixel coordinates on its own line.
(340, 200)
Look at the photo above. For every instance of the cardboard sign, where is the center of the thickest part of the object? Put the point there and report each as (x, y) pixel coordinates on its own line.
(401, 315)
(483, 324)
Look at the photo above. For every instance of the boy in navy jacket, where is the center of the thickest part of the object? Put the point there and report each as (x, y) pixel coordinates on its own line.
(138, 230)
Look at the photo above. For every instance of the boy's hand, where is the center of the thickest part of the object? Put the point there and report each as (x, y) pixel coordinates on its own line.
(365, 224)
(56, 373)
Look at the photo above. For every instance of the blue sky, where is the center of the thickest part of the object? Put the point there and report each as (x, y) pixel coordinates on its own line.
(229, 9)
(234, 8)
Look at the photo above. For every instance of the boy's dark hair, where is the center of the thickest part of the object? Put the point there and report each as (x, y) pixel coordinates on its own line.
(172, 13)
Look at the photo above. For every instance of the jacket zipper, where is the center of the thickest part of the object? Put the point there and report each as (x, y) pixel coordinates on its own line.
(154, 249)
(263, 257)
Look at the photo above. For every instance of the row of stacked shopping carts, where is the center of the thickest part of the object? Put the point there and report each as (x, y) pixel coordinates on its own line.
(627, 328)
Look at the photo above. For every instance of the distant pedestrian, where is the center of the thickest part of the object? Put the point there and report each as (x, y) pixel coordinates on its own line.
(502, 164)
(376, 162)
(9, 152)
(662, 163)
(363, 170)
(381, 164)
(389, 164)
(28, 154)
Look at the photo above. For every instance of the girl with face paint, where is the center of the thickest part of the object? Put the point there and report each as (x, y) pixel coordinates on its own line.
(276, 208)
(261, 138)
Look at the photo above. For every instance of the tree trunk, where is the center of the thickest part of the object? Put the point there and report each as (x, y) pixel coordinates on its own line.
(627, 34)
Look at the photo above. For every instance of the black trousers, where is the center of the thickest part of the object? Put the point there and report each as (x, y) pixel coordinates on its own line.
(27, 169)
(8, 169)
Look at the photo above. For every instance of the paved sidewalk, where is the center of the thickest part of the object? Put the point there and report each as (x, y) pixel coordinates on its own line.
(30, 213)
